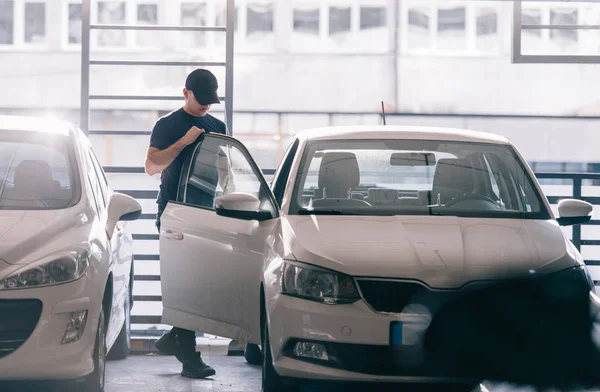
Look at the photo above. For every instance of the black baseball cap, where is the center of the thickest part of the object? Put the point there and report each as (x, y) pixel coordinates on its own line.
(204, 85)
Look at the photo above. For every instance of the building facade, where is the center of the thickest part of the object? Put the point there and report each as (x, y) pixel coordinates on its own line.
(338, 56)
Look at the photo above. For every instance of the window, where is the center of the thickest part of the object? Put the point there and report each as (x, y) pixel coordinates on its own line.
(307, 19)
(564, 16)
(415, 177)
(7, 22)
(221, 20)
(23, 23)
(101, 177)
(283, 173)
(340, 20)
(111, 12)
(452, 28)
(555, 41)
(37, 171)
(458, 27)
(146, 15)
(259, 18)
(306, 27)
(74, 11)
(220, 166)
(419, 25)
(532, 17)
(256, 30)
(372, 17)
(193, 14)
(95, 185)
(35, 23)
(339, 26)
(487, 29)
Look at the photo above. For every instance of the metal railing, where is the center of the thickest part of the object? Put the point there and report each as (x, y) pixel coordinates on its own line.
(578, 188)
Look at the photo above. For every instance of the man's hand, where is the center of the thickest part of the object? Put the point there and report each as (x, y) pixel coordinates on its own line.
(191, 135)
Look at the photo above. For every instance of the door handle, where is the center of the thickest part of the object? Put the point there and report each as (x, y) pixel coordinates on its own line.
(172, 235)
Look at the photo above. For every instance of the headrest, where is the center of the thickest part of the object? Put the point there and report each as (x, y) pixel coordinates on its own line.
(34, 175)
(455, 174)
(339, 172)
(378, 195)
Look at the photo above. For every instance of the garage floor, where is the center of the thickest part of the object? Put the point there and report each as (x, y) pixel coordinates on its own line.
(152, 373)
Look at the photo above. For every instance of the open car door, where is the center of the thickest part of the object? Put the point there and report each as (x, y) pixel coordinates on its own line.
(213, 242)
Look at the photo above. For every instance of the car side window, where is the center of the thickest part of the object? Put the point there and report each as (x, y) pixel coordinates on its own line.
(283, 173)
(221, 166)
(101, 177)
(93, 180)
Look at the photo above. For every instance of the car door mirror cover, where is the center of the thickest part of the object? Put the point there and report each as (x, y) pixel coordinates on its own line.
(240, 205)
(574, 212)
(121, 207)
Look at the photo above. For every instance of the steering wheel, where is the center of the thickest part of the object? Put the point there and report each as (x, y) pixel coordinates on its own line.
(471, 196)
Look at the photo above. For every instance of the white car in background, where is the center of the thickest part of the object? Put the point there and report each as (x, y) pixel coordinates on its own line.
(336, 269)
(65, 256)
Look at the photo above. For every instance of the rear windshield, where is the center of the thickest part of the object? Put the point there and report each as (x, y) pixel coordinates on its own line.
(415, 177)
(36, 171)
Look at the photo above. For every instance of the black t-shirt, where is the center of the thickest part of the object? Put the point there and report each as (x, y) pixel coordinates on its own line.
(168, 130)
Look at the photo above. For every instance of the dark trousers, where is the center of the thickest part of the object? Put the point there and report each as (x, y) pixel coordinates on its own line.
(186, 338)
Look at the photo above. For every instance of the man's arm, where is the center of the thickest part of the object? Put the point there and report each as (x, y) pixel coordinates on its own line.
(158, 160)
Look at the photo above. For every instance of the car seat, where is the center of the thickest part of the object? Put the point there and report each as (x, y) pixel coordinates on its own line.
(453, 178)
(338, 175)
(34, 183)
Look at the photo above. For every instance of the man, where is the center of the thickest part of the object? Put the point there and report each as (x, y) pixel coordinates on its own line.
(171, 139)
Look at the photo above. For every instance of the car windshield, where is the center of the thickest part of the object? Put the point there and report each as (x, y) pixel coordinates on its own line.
(415, 177)
(36, 171)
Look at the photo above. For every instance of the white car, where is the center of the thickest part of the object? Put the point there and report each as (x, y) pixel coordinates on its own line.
(333, 269)
(65, 256)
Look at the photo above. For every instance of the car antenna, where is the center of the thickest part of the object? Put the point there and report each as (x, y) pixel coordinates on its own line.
(383, 112)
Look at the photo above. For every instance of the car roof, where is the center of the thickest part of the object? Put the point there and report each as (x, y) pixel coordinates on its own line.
(362, 132)
(35, 124)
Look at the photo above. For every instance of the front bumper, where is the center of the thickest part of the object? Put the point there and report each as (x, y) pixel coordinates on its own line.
(363, 344)
(42, 356)
(358, 342)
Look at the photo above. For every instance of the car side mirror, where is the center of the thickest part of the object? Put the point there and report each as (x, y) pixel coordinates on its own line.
(574, 212)
(240, 205)
(121, 208)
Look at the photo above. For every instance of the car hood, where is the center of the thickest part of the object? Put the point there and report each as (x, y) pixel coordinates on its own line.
(442, 252)
(24, 235)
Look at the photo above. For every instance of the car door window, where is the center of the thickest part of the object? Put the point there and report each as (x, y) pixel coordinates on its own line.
(101, 176)
(95, 186)
(219, 166)
(283, 173)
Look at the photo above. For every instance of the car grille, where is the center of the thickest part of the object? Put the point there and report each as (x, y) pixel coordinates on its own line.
(394, 297)
(18, 319)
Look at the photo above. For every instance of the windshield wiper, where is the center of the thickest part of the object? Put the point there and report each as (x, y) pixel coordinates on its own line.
(304, 211)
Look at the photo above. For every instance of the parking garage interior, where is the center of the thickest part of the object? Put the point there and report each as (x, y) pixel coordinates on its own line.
(291, 73)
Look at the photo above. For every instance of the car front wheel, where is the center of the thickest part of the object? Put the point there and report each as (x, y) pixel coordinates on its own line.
(95, 381)
(271, 381)
(253, 354)
(122, 346)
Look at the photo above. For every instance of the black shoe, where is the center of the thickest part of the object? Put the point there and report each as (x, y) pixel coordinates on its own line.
(167, 345)
(194, 367)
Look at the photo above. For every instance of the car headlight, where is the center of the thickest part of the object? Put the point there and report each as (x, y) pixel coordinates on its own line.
(318, 284)
(64, 269)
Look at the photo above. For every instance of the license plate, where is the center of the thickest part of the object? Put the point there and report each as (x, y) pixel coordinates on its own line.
(396, 333)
